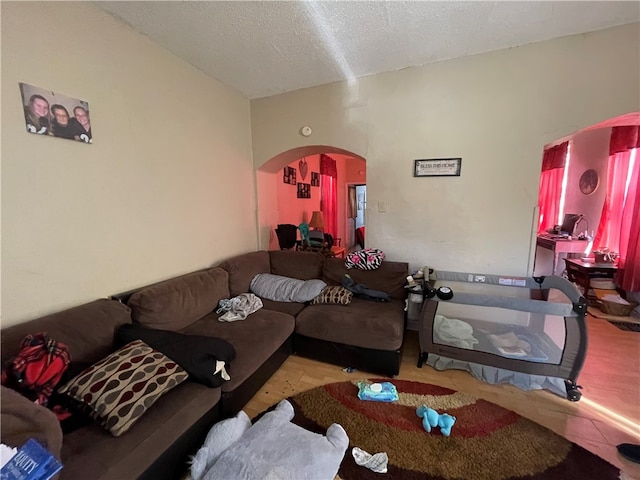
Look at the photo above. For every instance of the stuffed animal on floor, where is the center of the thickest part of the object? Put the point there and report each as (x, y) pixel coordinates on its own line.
(273, 447)
(431, 418)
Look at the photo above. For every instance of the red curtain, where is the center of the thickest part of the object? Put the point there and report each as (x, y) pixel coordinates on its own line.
(608, 234)
(555, 157)
(329, 194)
(553, 163)
(629, 263)
(619, 226)
(624, 139)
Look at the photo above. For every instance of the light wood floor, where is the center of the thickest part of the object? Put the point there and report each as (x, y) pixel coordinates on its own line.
(607, 414)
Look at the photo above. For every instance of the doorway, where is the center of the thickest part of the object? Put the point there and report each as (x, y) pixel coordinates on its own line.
(587, 153)
(356, 207)
(277, 185)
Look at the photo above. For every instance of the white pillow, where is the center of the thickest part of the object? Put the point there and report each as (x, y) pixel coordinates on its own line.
(285, 289)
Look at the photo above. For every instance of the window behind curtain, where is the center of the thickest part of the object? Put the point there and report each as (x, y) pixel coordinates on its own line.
(551, 180)
(329, 193)
(619, 226)
(613, 211)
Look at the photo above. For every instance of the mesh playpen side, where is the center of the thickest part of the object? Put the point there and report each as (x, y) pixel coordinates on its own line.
(529, 332)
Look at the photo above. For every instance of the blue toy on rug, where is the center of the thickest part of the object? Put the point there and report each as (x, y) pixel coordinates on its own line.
(431, 418)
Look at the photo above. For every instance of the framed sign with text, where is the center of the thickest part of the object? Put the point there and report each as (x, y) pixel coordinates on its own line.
(437, 167)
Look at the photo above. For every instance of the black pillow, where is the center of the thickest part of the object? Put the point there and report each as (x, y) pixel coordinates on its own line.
(196, 354)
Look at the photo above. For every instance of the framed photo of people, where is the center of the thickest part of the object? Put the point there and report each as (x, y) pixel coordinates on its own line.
(315, 179)
(56, 115)
(289, 175)
(304, 190)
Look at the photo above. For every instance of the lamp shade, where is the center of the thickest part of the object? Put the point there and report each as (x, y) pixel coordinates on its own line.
(317, 220)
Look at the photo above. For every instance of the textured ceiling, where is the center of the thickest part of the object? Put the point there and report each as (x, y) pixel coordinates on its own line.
(270, 47)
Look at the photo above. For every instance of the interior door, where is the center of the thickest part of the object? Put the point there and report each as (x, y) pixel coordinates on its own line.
(361, 206)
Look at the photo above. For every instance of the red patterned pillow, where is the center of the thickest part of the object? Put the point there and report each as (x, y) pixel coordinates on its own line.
(120, 388)
(367, 259)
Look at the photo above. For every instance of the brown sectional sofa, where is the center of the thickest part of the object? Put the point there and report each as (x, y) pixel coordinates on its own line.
(366, 335)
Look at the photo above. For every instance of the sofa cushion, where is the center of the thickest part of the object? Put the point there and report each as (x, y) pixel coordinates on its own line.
(23, 419)
(390, 277)
(302, 265)
(119, 389)
(290, 308)
(255, 339)
(243, 268)
(92, 453)
(376, 325)
(333, 295)
(88, 330)
(285, 289)
(177, 302)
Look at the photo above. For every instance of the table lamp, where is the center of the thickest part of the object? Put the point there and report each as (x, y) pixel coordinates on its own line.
(316, 236)
(317, 221)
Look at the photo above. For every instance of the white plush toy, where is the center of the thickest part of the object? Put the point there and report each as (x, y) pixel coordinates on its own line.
(273, 448)
(220, 437)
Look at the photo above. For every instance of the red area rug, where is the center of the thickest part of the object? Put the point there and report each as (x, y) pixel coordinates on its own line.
(487, 442)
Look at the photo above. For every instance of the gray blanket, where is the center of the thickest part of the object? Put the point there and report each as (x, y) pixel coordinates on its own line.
(238, 308)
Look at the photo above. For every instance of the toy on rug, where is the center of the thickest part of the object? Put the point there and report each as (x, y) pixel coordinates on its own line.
(271, 448)
(376, 463)
(431, 418)
(377, 392)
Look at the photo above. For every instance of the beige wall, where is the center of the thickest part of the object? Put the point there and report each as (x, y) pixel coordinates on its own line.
(167, 186)
(496, 111)
(356, 171)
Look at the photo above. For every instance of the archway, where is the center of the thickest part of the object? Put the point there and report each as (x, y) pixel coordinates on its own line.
(278, 199)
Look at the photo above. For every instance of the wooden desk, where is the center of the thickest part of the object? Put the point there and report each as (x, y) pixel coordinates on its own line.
(581, 273)
(560, 245)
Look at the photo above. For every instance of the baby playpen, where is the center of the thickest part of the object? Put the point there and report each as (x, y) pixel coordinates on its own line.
(529, 332)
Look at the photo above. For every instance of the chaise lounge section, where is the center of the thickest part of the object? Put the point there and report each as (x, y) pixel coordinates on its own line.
(156, 446)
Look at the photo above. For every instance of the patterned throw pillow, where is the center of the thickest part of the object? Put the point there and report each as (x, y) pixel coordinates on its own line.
(333, 295)
(367, 259)
(118, 389)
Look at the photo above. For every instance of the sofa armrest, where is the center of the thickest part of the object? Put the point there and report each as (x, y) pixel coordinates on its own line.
(22, 419)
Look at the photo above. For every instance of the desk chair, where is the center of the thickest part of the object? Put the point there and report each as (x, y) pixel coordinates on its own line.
(316, 238)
